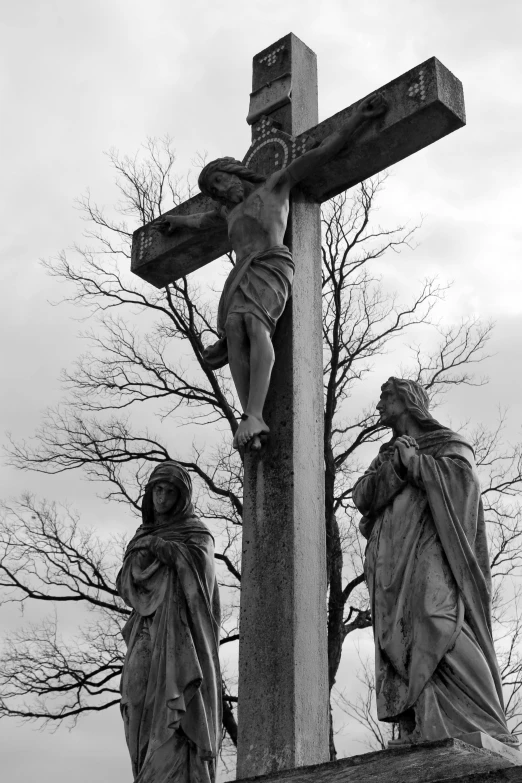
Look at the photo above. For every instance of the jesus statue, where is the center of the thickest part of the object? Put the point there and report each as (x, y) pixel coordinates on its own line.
(256, 209)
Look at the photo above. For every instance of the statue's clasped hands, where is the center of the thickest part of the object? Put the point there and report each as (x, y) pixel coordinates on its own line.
(405, 449)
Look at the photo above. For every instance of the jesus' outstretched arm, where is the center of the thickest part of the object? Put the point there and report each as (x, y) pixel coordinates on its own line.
(168, 224)
(306, 164)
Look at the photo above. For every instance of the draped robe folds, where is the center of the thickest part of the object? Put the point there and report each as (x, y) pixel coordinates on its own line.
(429, 580)
(259, 285)
(171, 688)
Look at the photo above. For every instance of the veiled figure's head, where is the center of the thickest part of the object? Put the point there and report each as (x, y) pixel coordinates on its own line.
(224, 180)
(401, 397)
(168, 494)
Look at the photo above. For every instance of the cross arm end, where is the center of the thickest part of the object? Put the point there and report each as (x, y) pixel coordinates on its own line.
(424, 105)
(161, 259)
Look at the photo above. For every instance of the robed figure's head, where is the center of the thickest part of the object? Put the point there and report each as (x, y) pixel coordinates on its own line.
(400, 398)
(168, 492)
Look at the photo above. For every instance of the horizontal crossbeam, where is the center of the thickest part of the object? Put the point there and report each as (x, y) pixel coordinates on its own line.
(160, 259)
(425, 104)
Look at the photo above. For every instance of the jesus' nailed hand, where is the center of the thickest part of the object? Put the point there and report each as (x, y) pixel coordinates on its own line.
(256, 209)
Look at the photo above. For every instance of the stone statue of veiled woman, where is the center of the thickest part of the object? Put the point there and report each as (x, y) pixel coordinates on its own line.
(171, 687)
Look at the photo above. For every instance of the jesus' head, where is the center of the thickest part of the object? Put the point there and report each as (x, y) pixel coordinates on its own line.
(225, 179)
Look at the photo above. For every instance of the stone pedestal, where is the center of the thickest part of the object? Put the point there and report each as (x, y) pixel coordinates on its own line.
(480, 740)
(450, 760)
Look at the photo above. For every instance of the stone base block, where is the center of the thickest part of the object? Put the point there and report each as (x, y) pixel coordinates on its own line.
(480, 740)
(480, 759)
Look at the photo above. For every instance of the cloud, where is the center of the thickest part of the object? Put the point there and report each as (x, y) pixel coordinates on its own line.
(79, 78)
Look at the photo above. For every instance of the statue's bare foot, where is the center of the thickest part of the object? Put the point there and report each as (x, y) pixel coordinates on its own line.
(257, 442)
(254, 444)
(248, 429)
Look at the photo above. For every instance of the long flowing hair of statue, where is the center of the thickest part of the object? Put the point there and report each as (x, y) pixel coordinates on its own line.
(416, 401)
(228, 166)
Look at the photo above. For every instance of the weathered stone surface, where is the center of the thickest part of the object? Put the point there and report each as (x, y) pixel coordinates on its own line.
(170, 677)
(436, 669)
(508, 775)
(283, 710)
(481, 740)
(446, 760)
(283, 690)
(426, 103)
(161, 259)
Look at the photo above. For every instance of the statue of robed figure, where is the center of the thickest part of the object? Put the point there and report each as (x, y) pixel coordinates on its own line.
(171, 685)
(428, 575)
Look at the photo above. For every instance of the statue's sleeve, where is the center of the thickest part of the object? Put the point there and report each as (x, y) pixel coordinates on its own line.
(167, 552)
(198, 547)
(141, 582)
(455, 459)
(451, 483)
(377, 487)
(196, 554)
(449, 474)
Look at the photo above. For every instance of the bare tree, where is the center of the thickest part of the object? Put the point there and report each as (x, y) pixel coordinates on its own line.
(147, 353)
(47, 556)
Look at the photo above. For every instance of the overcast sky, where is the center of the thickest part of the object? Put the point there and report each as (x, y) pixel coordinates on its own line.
(78, 78)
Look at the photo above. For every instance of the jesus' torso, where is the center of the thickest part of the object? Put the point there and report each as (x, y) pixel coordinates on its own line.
(259, 222)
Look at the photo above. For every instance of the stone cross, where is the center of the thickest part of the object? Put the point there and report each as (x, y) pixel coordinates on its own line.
(283, 684)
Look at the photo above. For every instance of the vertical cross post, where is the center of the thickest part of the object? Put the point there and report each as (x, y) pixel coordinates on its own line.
(283, 685)
(283, 694)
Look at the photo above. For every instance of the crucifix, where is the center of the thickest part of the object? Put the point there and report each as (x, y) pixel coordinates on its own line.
(283, 690)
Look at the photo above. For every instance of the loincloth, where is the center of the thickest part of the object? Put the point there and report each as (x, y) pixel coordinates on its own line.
(259, 285)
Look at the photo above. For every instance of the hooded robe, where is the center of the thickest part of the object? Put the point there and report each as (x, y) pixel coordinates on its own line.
(171, 685)
(428, 575)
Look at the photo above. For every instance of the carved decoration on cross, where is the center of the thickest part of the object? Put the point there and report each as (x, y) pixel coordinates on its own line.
(417, 89)
(425, 103)
(272, 149)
